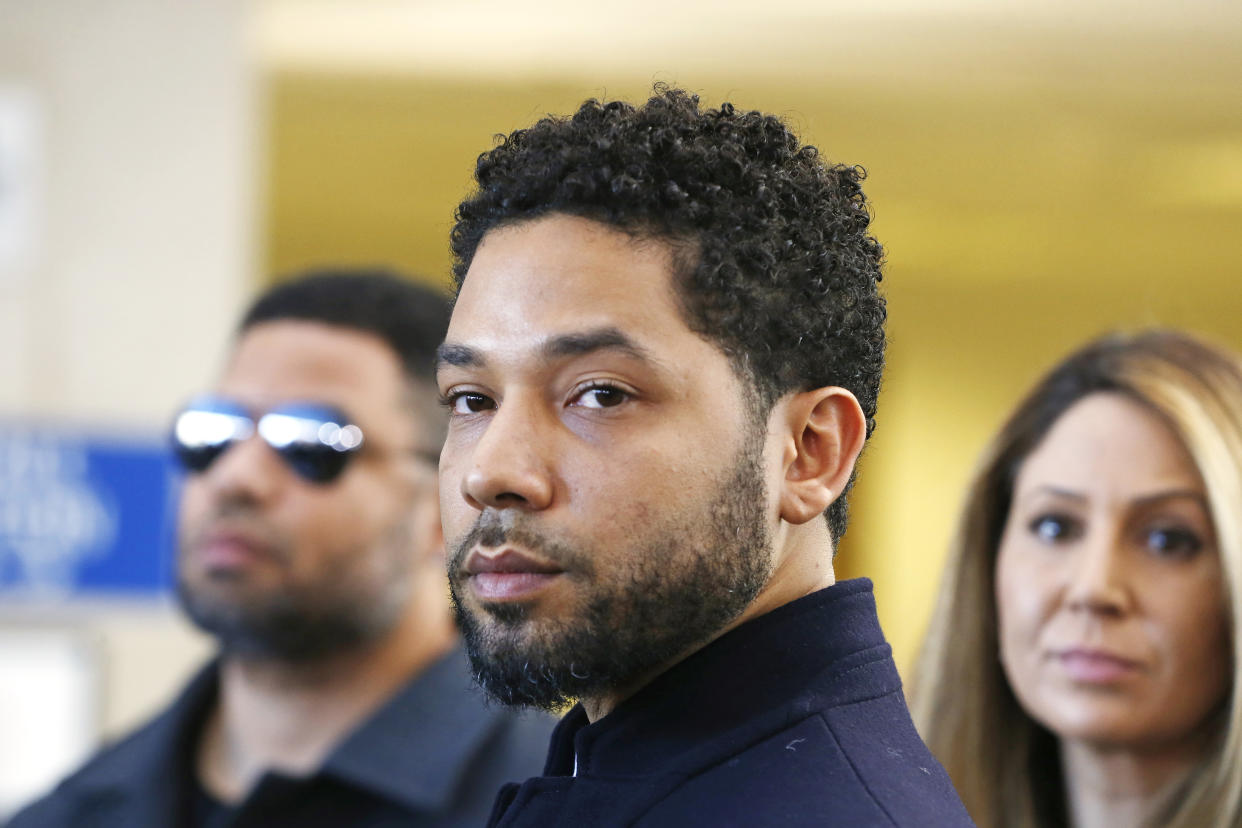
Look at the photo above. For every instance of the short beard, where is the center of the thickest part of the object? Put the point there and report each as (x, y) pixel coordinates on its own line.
(304, 623)
(696, 574)
(287, 628)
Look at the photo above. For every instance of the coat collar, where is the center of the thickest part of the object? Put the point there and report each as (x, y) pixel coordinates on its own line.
(795, 658)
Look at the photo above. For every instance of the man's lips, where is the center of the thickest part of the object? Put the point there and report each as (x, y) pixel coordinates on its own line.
(507, 561)
(227, 549)
(508, 575)
(1094, 666)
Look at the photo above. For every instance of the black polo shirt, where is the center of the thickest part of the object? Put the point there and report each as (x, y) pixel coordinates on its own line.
(434, 755)
(795, 718)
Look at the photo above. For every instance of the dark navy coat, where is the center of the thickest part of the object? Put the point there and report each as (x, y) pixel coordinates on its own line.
(795, 718)
(434, 755)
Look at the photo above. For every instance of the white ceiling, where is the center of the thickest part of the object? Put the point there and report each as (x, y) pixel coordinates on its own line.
(777, 37)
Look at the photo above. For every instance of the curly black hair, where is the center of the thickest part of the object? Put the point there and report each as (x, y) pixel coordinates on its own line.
(782, 274)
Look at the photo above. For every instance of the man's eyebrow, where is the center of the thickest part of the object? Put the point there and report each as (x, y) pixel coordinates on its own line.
(585, 342)
(561, 346)
(461, 356)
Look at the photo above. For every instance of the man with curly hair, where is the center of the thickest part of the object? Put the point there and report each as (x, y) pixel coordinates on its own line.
(662, 365)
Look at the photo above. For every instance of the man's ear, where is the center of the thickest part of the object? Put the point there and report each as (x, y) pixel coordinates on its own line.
(827, 429)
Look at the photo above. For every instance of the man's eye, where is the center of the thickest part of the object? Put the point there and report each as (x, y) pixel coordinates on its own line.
(600, 396)
(1053, 528)
(1173, 542)
(469, 403)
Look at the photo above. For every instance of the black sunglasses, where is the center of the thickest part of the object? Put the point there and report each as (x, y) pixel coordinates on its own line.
(315, 440)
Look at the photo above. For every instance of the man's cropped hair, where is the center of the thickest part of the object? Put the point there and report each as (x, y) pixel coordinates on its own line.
(410, 318)
(774, 262)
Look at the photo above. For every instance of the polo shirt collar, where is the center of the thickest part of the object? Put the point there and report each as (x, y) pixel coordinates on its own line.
(419, 746)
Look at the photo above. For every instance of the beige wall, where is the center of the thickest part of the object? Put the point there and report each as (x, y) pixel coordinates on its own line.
(145, 188)
(147, 111)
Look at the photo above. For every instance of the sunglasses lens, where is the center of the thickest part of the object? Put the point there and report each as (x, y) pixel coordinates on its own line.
(201, 433)
(316, 462)
(198, 458)
(316, 442)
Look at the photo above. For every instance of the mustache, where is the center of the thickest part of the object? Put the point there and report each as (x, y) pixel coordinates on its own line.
(241, 517)
(493, 529)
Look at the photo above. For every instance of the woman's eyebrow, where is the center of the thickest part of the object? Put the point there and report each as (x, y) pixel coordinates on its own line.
(1056, 491)
(1145, 499)
(1172, 494)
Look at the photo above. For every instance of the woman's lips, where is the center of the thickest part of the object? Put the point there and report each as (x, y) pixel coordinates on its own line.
(1089, 666)
(509, 575)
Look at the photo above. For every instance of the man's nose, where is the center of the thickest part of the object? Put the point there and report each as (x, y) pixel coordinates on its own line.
(247, 470)
(509, 465)
(1099, 582)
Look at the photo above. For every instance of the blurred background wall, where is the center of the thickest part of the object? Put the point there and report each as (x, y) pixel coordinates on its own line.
(129, 182)
(1040, 173)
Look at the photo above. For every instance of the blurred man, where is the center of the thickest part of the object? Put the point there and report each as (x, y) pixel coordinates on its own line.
(662, 365)
(310, 547)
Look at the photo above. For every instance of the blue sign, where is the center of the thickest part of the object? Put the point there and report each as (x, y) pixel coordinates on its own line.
(84, 514)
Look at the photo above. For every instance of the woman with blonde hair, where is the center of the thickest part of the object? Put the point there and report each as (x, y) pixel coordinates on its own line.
(1082, 664)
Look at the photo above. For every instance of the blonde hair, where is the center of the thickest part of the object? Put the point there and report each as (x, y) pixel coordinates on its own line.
(1004, 764)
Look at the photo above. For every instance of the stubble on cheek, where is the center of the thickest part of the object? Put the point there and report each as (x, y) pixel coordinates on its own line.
(659, 581)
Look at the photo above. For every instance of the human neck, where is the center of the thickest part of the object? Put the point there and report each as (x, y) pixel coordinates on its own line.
(1120, 787)
(277, 716)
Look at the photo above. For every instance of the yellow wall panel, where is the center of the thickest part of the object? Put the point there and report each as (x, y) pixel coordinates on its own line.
(1021, 215)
